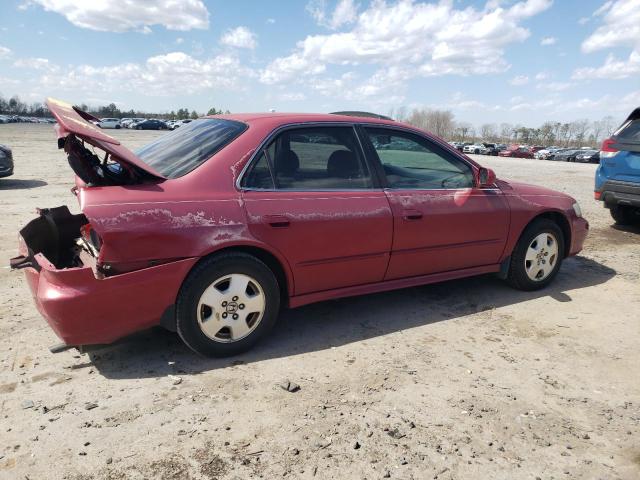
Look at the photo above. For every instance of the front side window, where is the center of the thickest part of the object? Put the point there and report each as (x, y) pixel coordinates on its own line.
(411, 162)
(310, 158)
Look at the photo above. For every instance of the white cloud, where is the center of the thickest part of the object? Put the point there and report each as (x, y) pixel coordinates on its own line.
(426, 39)
(346, 12)
(239, 37)
(179, 40)
(583, 20)
(519, 80)
(612, 68)
(542, 76)
(620, 28)
(4, 52)
(162, 75)
(291, 96)
(555, 86)
(271, 21)
(546, 41)
(36, 64)
(125, 15)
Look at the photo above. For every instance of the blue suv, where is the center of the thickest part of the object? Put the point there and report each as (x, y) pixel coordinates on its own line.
(618, 175)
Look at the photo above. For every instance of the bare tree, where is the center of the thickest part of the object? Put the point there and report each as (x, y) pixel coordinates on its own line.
(505, 131)
(439, 122)
(489, 131)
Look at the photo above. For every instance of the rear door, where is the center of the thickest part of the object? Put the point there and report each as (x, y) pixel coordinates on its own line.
(310, 195)
(442, 222)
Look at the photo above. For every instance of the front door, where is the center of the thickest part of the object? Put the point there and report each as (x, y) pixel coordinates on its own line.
(442, 222)
(310, 195)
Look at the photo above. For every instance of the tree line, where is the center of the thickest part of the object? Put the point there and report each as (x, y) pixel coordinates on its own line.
(15, 106)
(577, 133)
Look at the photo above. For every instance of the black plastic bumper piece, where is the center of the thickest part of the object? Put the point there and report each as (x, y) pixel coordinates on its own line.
(615, 192)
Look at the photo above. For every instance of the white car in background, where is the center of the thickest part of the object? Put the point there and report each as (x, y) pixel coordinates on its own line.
(132, 122)
(109, 123)
(476, 148)
(179, 123)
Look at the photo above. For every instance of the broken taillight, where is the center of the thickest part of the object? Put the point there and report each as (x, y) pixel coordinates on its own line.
(91, 238)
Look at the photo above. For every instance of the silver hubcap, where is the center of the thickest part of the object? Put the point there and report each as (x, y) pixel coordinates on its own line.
(541, 257)
(231, 308)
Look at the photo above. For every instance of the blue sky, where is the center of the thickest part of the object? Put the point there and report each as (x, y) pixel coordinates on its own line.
(517, 61)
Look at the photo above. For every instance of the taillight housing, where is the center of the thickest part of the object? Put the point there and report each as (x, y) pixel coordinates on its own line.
(607, 150)
(91, 237)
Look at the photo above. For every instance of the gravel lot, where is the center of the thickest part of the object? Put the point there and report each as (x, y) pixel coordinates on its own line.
(468, 379)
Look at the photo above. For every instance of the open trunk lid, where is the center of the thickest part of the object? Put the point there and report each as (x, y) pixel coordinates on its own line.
(73, 123)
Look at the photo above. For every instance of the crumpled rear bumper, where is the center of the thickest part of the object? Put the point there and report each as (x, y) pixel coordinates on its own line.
(85, 310)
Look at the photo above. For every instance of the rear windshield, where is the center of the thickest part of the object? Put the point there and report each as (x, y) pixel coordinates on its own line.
(629, 132)
(177, 153)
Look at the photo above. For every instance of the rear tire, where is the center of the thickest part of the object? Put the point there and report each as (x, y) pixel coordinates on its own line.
(537, 257)
(226, 296)
(624, 215)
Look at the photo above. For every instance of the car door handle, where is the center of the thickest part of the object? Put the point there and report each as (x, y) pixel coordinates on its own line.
(277, 221)
(412, 215)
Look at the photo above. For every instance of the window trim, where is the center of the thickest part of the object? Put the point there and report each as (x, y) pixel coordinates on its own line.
(437, 148)
(375, 181)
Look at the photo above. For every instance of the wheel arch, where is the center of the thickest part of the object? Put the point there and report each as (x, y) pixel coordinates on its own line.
(276, 265)
(559, 219)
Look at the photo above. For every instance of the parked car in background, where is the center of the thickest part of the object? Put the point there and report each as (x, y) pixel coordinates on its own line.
(475, 148)
(546, 153)
(6, 161)
(457, 145)
(618, 175)
(134, 121)
(493, 148)
(152, 124)
(587, 156)
(193, 233)
(109, 123)
(517, 151)
(566, 155)
(180, 123)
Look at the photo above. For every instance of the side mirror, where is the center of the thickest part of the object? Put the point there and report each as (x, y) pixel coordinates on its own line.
(486, 177)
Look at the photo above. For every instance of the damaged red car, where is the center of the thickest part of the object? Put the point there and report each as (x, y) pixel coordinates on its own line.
(210, 230)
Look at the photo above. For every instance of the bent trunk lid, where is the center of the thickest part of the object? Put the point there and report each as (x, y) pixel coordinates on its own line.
(72, 120)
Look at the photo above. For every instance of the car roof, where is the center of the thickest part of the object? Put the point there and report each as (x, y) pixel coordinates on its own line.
(285, 118)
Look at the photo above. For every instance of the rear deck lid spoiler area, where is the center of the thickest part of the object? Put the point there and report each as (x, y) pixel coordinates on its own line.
(72, 120)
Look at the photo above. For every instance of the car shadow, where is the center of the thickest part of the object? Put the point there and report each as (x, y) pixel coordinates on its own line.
(16, 183)
(627, 228)
(157, 352)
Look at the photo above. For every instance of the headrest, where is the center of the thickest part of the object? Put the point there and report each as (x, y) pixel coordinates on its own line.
(286, 163)
(343, 164)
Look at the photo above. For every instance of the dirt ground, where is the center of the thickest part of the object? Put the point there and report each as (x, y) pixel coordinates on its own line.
(467, 379)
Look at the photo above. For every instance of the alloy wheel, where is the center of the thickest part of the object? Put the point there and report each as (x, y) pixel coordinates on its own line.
(541, 257)
(231, 308)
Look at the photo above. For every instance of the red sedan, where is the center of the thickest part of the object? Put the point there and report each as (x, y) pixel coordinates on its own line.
(211, 229)
(517, 151)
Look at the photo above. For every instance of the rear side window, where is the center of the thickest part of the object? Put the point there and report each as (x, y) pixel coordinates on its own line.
(313, 158)
(177, 153)
(629, 132)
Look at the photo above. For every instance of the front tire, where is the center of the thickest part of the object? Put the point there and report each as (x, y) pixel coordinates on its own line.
(227, 304)
(537, 257)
